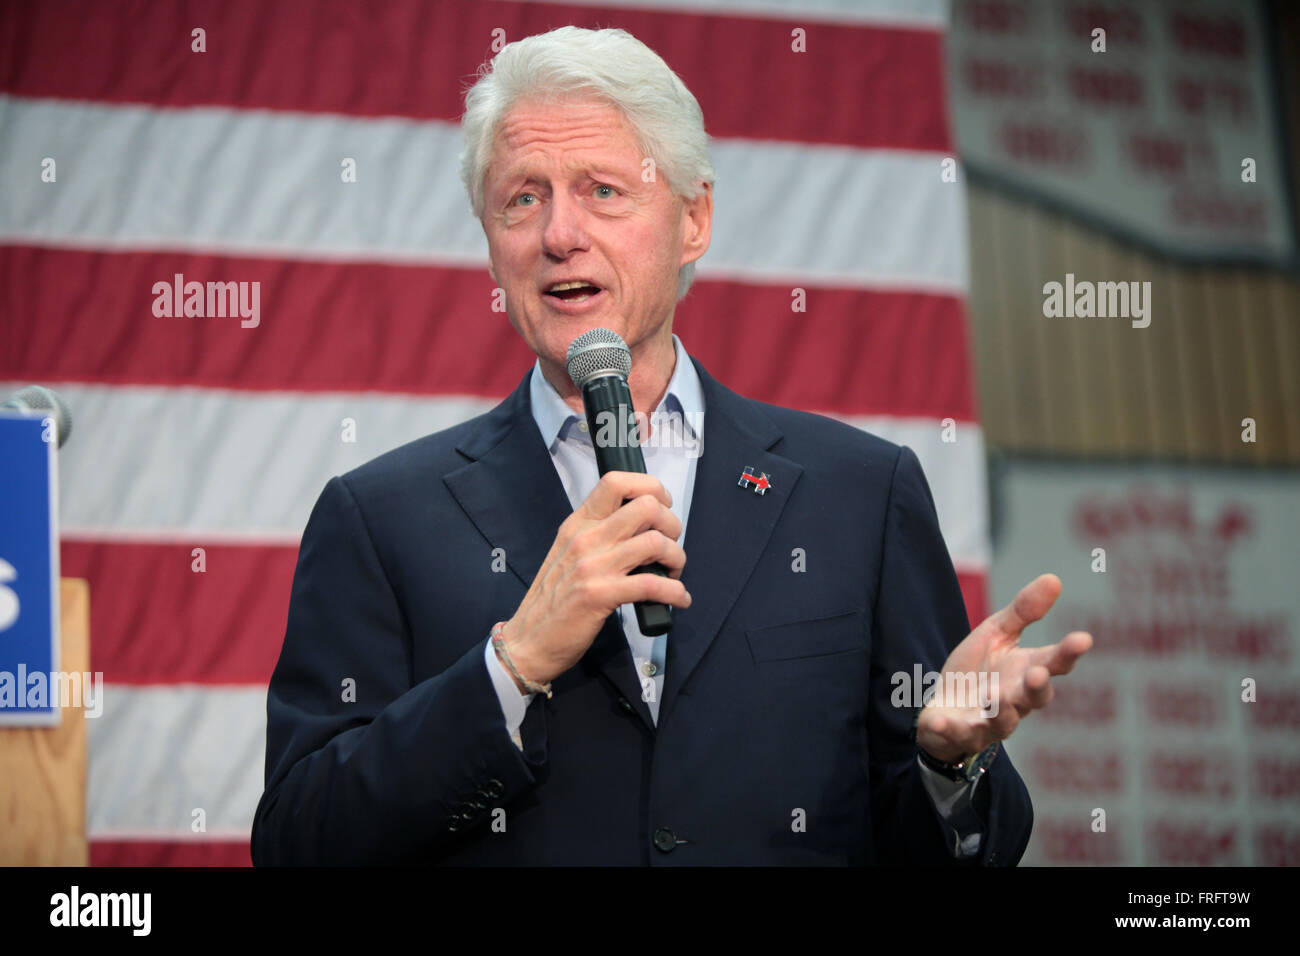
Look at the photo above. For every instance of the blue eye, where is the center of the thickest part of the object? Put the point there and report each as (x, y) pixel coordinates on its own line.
(519, 201)
(607, 192)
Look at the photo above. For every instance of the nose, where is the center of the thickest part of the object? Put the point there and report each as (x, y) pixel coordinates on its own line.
(564, 232)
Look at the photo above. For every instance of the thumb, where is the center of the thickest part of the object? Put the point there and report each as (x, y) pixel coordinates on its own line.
(1034, 600)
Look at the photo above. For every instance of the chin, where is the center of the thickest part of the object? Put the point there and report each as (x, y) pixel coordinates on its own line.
(569, 329)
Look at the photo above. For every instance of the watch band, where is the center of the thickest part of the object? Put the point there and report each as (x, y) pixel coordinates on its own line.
(953, 771)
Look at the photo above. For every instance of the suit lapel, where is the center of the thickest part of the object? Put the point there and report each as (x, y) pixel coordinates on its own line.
(512, 493)
(510, 488)
(728, 527)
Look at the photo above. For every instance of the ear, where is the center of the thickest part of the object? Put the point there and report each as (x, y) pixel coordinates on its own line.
(492, 270)
(697, 225)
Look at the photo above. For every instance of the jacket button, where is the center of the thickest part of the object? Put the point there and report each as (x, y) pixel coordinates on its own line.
(626, 705)
(665, 839)
(493, 789)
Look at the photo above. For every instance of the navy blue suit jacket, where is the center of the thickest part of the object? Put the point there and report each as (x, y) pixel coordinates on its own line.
(776, 693)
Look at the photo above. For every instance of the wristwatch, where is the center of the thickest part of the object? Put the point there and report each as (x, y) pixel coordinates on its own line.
(967, 770)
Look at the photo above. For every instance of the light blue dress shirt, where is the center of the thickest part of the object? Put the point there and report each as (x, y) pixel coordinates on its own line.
(670, 455)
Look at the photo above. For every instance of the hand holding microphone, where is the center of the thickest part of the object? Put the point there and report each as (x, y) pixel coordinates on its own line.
(618, 547)
(599, 362)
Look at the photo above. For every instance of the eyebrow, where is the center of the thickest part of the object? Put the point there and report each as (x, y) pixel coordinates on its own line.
(608, 173)
(512, 180)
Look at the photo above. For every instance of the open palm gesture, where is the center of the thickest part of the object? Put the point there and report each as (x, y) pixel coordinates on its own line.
(1022, 676)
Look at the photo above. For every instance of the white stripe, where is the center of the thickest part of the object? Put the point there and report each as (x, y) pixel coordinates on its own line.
(157, 754)
(267, 184)
(179, 464)
(173, 835)
(108, 534)
(161, 463)
(956, 474)
(931, 14)
(795, 214)
(208, 836)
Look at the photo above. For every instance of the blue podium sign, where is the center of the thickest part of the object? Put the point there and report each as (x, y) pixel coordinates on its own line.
(29, 571)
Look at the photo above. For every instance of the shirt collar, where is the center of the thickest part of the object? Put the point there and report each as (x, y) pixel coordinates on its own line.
(683, 396)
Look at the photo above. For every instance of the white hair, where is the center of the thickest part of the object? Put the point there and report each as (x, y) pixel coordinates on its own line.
(608, 65)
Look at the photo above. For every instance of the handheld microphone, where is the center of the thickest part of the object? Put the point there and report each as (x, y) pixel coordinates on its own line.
(599, 362)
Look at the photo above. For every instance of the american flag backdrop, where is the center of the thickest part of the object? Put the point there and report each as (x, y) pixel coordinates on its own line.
(211, 140)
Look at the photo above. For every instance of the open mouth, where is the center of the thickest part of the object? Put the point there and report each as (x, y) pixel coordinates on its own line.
(573, 291)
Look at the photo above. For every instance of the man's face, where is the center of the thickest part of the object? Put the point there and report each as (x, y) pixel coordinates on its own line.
(576, 238)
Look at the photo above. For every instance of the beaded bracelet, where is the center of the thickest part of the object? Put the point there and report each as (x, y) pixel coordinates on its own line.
(499, 645)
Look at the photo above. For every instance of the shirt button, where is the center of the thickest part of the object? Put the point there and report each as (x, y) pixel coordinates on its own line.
(582, 426)
(665, 839)
(650, 668)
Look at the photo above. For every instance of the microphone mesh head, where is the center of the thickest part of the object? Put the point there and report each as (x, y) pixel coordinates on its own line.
(598, 352)
(37, 398)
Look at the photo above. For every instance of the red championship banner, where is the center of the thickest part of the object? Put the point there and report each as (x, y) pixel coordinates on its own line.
(1157, 120)
(1179, 742)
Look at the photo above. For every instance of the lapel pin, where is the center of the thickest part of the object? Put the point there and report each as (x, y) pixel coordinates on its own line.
(756, 483)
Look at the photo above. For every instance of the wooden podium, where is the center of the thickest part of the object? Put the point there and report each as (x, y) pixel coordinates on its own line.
(43, 769)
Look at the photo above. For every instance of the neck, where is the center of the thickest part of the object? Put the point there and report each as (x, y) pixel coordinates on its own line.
(653, 363)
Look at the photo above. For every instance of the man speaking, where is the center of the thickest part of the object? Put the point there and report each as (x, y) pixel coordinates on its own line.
(464, 679)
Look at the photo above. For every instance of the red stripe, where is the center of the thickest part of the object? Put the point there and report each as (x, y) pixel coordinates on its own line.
(170, 853)
(856, 85)
(975, 589)
(853, 352)
(153, 620)
(327, 326)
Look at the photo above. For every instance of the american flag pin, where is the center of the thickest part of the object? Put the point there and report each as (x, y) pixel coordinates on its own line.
(756, 483)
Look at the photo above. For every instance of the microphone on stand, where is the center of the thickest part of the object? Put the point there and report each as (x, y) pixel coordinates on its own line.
(39, 400)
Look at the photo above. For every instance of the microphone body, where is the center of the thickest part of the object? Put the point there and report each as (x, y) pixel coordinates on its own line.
(610, 418)
(611, 423)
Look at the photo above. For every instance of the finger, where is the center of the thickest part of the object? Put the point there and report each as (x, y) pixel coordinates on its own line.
(647, 548)
(997, 717)
(631, 588)
(1036, 690)
(1060, 658)
(1034, 600)
(642, 513)
(1004, 724)
(615, 487)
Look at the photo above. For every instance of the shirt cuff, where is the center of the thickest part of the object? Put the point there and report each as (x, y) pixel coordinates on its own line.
(952, 800)
(514, 705)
